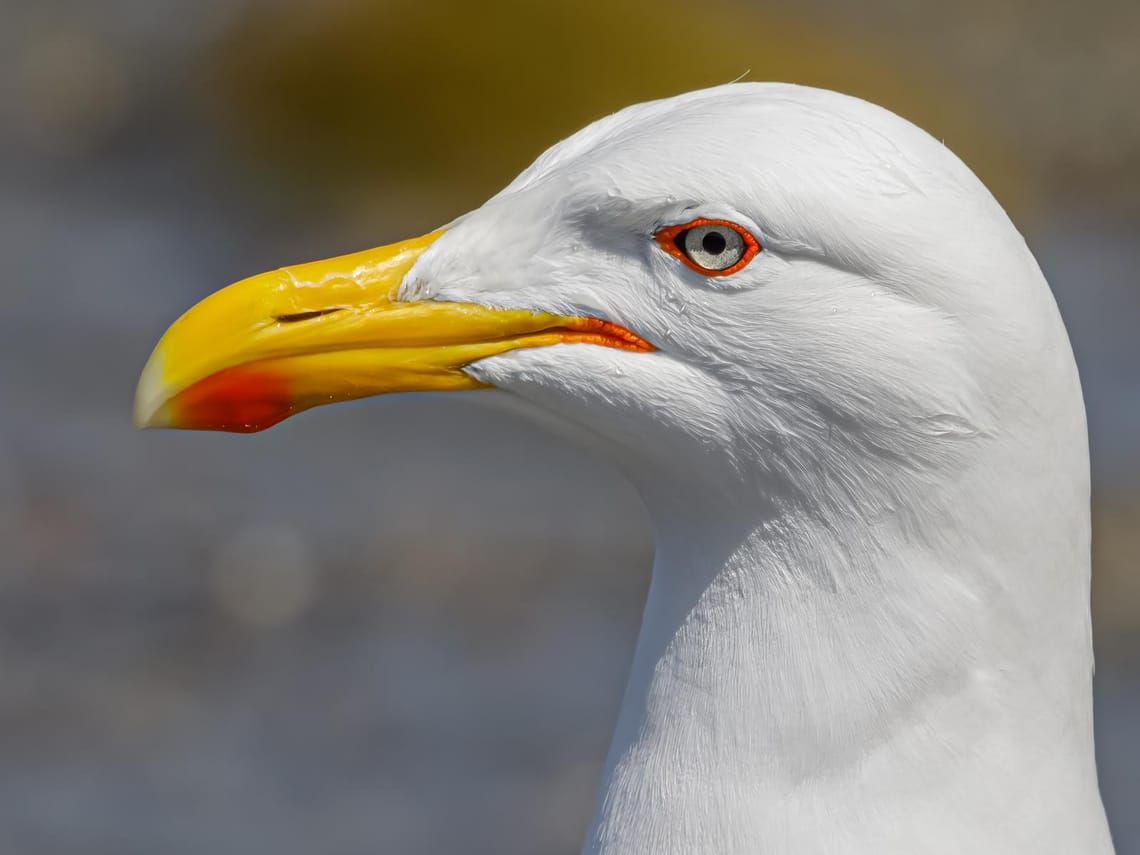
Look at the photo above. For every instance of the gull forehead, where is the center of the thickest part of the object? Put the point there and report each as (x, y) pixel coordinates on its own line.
(756, 140)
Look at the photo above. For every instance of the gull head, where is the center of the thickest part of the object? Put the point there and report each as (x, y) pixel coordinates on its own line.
(755, 284)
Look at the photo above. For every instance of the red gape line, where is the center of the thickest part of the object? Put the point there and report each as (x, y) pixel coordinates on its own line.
(597, 331)
(667, 239)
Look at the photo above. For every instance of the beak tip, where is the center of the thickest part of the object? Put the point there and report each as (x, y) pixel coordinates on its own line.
(145, 420)
(149, 410)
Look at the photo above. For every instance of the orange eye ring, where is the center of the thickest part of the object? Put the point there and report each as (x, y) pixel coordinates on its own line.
(672, 240)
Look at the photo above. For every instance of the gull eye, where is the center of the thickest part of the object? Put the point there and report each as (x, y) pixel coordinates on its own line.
(711, 247)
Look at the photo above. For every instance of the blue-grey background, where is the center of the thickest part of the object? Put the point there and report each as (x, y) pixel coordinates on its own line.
(402, 626)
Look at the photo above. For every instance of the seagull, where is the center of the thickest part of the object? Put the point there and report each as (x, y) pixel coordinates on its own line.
(837, 377)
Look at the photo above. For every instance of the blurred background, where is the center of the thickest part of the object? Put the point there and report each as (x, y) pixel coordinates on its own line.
(226, 644)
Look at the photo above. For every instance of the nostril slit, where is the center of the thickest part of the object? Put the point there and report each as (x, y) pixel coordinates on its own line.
(303, 316)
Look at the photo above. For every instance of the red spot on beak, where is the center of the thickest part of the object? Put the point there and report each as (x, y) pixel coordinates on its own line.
(243, 399)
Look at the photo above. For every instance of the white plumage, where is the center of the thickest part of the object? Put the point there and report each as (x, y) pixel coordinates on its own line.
(865, 458)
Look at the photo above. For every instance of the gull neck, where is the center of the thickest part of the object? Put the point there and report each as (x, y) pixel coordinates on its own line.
(867, 683)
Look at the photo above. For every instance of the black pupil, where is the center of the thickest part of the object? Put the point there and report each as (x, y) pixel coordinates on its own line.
(713, 243)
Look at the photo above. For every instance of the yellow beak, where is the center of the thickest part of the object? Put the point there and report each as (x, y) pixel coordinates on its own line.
(279, 343)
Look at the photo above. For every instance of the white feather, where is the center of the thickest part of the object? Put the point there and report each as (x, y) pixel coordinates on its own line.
(865, 457)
